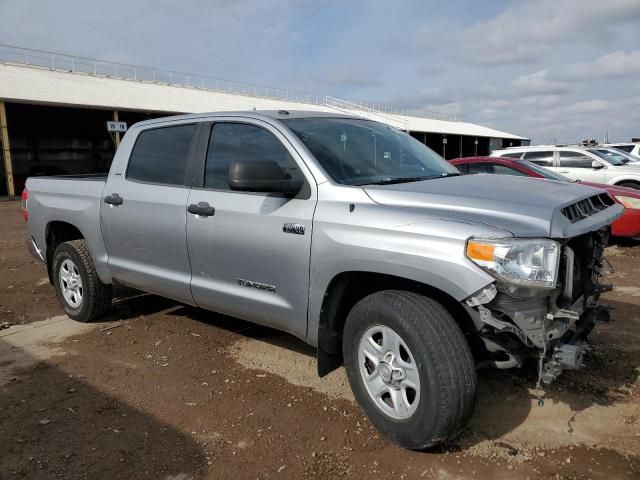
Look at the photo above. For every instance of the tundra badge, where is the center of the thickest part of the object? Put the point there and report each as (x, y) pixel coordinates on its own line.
(296, 228)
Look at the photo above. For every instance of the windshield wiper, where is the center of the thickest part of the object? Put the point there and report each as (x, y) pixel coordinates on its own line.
(391, 181)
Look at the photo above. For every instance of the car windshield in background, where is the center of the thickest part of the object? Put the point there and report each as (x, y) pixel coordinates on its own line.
(611, 156)
(624, 148)
(545, 172)
(362, 152)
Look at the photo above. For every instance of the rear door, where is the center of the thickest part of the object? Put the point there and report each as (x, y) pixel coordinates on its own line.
(144, 213)
(579, 166)
(250, 254)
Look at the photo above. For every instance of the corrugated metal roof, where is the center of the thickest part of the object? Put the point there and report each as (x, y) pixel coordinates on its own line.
(46, 86)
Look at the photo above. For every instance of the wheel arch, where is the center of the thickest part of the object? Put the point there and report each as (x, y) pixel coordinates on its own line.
(347, 288)
(57, 232)
(619, 182)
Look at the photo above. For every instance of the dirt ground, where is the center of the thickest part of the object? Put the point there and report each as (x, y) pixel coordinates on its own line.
(164, 391)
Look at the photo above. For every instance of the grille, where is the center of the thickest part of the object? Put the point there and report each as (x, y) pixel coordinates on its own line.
(587, 207)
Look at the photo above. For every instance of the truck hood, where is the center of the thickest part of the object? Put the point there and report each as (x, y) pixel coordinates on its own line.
(523, 206)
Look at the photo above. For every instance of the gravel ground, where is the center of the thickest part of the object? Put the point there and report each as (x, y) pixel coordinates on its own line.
(165, 391)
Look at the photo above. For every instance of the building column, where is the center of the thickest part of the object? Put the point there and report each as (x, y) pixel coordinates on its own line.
(6, 150)
(117, 134)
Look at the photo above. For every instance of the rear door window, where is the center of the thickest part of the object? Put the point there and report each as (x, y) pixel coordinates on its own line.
(543, 158)
(160, 155)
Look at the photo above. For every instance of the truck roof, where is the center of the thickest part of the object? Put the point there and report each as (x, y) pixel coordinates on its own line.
(264, 114)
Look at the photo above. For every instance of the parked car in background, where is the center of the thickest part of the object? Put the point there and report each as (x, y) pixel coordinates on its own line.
(628, 225)
(632, 148)
(589, 164)
(618, 155)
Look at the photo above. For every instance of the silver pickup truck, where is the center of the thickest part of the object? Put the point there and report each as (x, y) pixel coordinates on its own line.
(346, 233)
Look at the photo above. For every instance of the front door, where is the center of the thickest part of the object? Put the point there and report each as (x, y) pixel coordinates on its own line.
(579, 166)
(144, 214)
(250, 251)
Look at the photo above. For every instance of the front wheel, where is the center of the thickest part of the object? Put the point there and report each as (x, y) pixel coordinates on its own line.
(410, 368)
(78, 288)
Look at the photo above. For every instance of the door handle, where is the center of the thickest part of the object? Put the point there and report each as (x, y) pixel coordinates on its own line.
(563, 171)
(113, 199)
(202, 208)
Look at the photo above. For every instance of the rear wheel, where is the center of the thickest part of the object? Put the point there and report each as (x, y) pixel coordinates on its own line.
(78, 288)
(410, 368)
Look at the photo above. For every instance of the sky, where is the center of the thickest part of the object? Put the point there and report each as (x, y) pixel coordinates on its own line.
(551, 70)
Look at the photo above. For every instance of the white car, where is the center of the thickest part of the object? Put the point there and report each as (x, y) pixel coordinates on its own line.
(589, 164)
(630, 148)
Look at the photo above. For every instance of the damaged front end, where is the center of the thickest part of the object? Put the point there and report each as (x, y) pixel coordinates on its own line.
(541, 316)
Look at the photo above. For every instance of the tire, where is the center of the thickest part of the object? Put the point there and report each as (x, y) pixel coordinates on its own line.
(83, 296)
(432, 345)
(633, 185)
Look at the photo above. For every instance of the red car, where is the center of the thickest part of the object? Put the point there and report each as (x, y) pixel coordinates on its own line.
(628, 225)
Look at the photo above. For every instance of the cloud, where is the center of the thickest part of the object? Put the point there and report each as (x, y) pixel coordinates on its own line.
(538, 83)
(351, 75)
(527, 30)
(614, 64)
(425, 96)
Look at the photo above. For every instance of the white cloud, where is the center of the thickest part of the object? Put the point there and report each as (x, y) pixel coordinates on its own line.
(614, 64)
(544, 101)
(353, 75)
(538, 83)
(527, 30)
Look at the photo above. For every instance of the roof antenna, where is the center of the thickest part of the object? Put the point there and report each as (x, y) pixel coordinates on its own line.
(283, 112)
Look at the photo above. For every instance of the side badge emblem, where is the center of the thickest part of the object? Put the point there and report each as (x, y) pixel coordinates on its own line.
(295, 228)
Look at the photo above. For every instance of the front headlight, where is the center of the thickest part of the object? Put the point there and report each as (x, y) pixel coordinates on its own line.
(628, 202)
(518, 261)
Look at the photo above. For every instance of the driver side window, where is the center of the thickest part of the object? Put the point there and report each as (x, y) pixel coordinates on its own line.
(241, 142)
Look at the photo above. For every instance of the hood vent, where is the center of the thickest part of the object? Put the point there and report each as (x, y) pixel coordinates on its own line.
(587, 207)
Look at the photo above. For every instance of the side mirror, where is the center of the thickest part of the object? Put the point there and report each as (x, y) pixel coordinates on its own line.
(596, 165)
(262, 176)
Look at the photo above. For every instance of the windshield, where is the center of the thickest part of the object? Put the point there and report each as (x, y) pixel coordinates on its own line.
(624, 148)
(545, 172)
(611, 156)
(361, 152)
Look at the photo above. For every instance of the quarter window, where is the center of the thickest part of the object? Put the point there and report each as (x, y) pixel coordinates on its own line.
(239, 142)
(160, 155)
(544, 158)
(575, 160)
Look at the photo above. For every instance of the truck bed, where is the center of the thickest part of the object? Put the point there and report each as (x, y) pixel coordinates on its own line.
(70, 199)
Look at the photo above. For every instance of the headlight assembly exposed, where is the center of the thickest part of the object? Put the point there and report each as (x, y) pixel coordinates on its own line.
(629, 202)
(517, 261)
